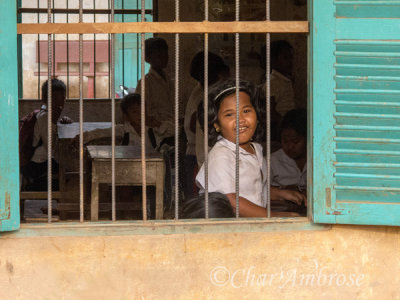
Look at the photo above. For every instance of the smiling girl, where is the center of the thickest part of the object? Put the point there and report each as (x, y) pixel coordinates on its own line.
(222, 157)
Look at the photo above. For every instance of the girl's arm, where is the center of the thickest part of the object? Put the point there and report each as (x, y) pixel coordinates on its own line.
(247, 208)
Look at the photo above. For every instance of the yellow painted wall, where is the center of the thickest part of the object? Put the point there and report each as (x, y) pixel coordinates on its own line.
(339, 262)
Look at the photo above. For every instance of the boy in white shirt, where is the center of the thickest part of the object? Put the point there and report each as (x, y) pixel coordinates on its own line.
(35, 172)
(281, 73)
(289, 164)
(160, 104)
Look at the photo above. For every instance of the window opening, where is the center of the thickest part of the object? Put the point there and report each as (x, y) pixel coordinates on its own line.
(178, 30)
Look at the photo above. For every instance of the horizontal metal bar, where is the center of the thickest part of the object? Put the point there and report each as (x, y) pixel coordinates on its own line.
(365, 165)
(85, 11)
(366, 140)
(368, 116)
(166, 27)
(366, 91)
(367, 128)
(366, 176)
(367, 54)
(367, 103)
(364, 66)
(367, 152)
(367, 188)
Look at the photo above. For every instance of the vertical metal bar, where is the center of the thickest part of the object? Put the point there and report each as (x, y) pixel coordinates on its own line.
(237, 66)
(113, 210)
(177, 114)
(137, 45)
(67, 52)
(206, 110)
(143, 116)
(94, 51)
(38, 45)
(123, 45)
(81, 190)
(109, 56)
(54, 43)
(49, 119)
(19, 50)
(268, 109)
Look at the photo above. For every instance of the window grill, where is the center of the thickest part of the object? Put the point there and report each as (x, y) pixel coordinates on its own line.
(177, 28)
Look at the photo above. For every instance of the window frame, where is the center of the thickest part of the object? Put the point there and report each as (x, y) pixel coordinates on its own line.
(187, 27)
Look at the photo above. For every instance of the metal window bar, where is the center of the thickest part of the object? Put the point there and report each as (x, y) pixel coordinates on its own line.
(81, 187)
(112, 78)
(237, 67)
(38, 48)
(49, 121)
(67, 5)
(206, 112)
(177, 19)
(143, 116)
(268, 107)
(94, 51)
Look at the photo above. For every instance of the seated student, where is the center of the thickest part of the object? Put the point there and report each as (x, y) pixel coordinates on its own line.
(218, 207)
(160, 104)
(281, 73)
(130, 131)
(194, 135)
(35, 172)
(222, 157)
(289, 164)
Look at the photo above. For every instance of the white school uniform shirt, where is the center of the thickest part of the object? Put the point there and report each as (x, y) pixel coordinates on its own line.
(191, 107)
(40, 133)
(221, 172)
(160, 102)
(282, 91)
(284, 171)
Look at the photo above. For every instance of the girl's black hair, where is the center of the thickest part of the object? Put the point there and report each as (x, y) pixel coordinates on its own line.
(215, 97)
(295, 119)
(218, 207)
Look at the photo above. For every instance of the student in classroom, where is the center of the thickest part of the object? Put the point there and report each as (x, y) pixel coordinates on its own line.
(289, 164)
(222, 157)
(129, 132)
(217, 69)
(35, 171)
(281, 75)
(158, 90)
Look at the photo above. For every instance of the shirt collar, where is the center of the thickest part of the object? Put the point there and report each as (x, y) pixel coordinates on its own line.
(283, 157)
(232, 146)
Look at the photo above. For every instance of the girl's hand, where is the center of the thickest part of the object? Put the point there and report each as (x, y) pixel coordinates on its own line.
(294, 196)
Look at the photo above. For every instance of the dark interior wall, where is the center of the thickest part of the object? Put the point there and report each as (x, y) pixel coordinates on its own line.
(193, 10)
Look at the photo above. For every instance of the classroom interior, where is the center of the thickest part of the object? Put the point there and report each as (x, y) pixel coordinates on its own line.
(96, 94)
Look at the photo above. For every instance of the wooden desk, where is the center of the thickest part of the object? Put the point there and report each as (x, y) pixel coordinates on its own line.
(69, 161)
(127, 172)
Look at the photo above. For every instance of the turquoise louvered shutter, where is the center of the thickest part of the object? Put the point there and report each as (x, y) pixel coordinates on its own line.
(356, 111)
(9, 165)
